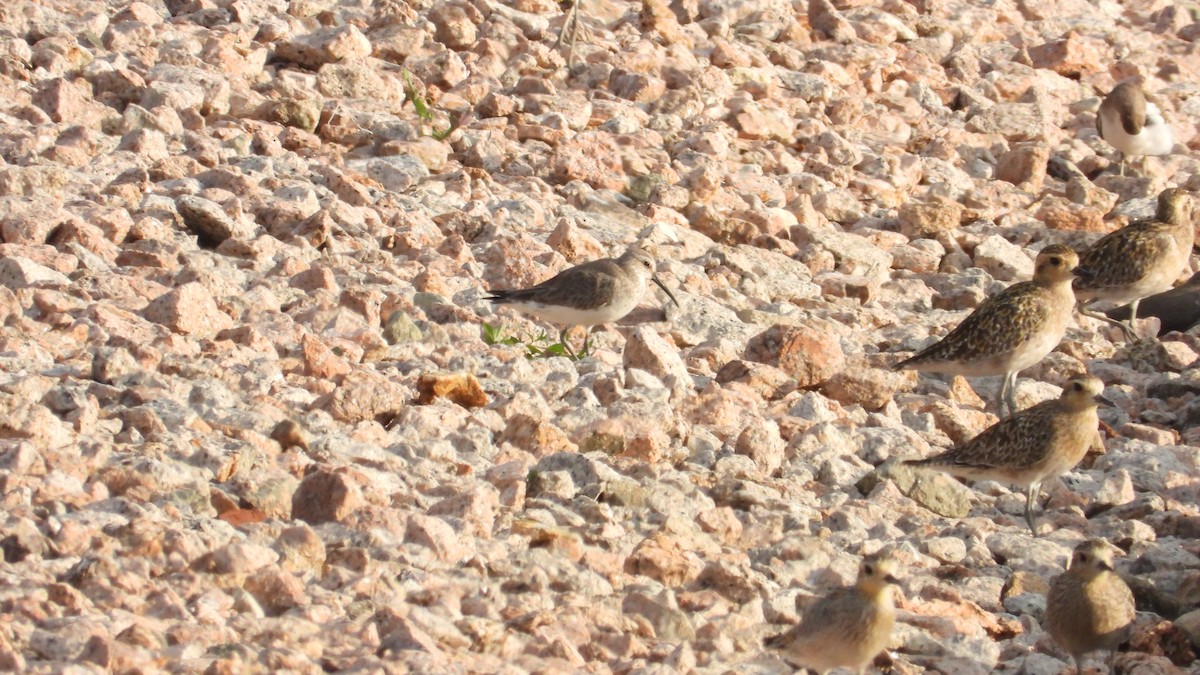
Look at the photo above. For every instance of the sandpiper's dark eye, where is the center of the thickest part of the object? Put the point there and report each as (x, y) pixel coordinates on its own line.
(1056, 261)
(1082, 557)
(868, 569)
(1078, 386)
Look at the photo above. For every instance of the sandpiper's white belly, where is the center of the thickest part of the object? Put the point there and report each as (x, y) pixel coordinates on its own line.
(571, 316)
(1154, 139)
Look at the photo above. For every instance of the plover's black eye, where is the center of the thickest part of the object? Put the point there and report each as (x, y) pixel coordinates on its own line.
(1078, 386)
(868, 569)
(1056, 261)
(1082, 557)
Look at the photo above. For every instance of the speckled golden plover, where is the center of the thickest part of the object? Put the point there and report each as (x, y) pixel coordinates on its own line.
(848, 627)
(594, 293)
(1139, 260)
(1012, 330)
(1089, 607)
(1132, 124)
(1037, 444)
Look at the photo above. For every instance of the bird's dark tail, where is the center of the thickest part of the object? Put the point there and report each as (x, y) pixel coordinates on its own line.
(776, 641)
(498, 296)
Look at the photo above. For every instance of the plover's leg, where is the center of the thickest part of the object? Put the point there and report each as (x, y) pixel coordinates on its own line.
(1007, 395)
(1128, 328)
(1031, 495)
(1133, 318)
(1121, 162)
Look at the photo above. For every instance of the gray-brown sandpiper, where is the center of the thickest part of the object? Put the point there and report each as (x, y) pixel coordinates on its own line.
(590, 294)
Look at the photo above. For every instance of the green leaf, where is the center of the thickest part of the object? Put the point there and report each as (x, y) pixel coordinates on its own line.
(412, 93)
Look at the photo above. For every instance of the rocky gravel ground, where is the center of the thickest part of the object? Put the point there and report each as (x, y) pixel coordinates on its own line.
(251, 423)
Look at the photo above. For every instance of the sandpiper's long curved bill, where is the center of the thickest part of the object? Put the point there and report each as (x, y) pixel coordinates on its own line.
(658, 282)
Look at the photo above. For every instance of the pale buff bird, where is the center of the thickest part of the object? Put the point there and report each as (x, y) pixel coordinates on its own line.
(1139, 260)
(848, 627)
(1031, 447)
(1012, 330)
(1132, 124)
(1089, 608)
(590, 294)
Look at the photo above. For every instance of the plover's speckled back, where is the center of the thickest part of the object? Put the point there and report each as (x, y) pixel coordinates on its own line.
(1037, 444)
(1089, 607)
(848, 627)
(1132, 124)
(1011, 330)
(594, 293)
(1140, 259)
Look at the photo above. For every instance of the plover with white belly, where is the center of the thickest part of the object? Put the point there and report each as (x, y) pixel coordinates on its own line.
(1132, 124)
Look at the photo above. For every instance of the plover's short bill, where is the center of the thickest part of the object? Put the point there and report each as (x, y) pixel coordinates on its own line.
(1010, 331)
(1089, 607)
(594, 293)
(848, 627)
(1139, 260)
(1132, 124)
(1035, 445)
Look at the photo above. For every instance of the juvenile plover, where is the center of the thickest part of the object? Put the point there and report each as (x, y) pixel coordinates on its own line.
(1138, 260)
(848, 627)
(1031, 447)
(1010, 331)
(1089, 607)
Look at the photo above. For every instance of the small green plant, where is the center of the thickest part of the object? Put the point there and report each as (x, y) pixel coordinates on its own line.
(421, 107)
(538, 347)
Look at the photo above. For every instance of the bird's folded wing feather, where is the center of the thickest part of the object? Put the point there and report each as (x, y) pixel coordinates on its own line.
(997, 446)
(590, 280)
(995, 328)
(1124, 257)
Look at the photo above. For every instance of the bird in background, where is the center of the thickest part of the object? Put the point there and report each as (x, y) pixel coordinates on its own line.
(1011, 330)
(1139, 260)
(1031, 447)
(849, 626)
(1132, 124)
(590, 294)
(1089, 607)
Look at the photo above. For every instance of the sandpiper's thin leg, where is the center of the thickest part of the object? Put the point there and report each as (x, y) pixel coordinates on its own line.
(1031, 495)
(562, 338)
(587, 344)
(1121, 162)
